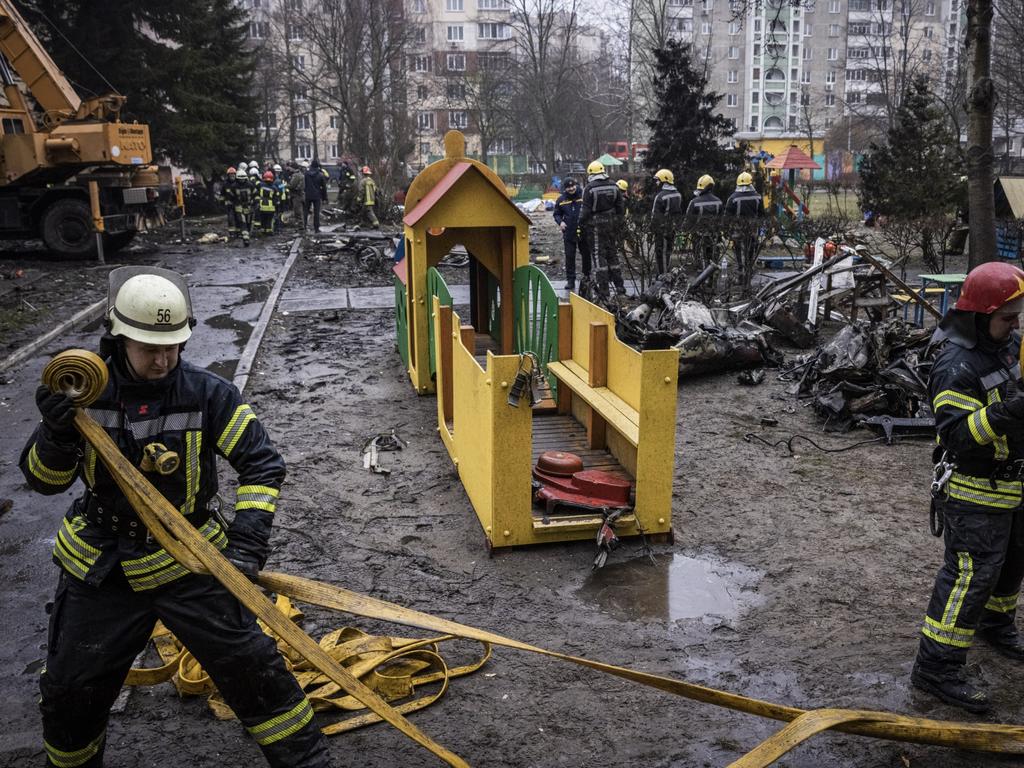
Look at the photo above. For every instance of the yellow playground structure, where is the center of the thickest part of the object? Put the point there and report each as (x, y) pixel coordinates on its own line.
(555, 426)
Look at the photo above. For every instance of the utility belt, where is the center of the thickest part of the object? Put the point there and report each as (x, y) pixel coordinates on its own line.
(120, 519)
(1009, 470)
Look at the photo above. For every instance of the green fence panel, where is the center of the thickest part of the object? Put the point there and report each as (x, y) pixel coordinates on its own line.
(536, 317)
(436, 286)
(402, 321)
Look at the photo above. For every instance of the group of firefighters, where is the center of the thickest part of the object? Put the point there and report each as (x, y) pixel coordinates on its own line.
(256, 201)
(592, 222)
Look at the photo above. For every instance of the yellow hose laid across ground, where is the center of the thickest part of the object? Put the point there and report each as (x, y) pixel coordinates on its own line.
(185, 544)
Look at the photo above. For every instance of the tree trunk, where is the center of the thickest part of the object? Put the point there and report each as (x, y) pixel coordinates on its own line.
(981, 101)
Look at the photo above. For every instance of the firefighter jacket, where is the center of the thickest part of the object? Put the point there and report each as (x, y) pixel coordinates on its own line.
(369, 191)
(239, 194)
(567, 210)
(744, 203)
(704, 205)
(191, 411)
(668, 205)
(969, 389)
(267, 197)
(601, 200)
(282, 190)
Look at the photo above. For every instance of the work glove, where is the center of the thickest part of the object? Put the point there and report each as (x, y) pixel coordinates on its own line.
(58, 412)
(1015, 406)
(563, 226)
(244, 561)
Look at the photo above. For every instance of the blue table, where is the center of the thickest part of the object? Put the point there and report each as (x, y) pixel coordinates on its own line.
(950, 285)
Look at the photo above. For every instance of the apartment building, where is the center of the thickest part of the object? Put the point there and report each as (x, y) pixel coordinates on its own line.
(798, 73)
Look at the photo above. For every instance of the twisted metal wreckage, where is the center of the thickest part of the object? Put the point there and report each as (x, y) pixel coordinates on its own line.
(871, 372)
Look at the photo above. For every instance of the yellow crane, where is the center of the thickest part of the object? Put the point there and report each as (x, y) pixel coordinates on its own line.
(52, 151)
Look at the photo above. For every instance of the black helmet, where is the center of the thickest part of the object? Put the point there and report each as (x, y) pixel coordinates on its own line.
(570, 182)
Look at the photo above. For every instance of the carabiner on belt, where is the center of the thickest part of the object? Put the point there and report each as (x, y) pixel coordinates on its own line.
(941, 474)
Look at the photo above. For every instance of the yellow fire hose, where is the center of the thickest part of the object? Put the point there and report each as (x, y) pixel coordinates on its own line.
(82, 375)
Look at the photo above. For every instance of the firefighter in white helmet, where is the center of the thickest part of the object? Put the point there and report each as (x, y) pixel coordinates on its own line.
(116, 581)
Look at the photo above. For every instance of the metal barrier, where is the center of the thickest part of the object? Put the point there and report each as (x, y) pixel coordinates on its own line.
(402, 320)
(436, 286)
(536, 313)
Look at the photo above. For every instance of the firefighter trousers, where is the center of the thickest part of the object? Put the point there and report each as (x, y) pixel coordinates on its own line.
(664, 242)
(96, 633)
(604, 243)
(977, 586)
(572, 243)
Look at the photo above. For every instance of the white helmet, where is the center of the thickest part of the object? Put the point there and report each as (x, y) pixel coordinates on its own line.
(150, 305)
(304, 163)
(277, 168)
(241, 173)
(254, 164)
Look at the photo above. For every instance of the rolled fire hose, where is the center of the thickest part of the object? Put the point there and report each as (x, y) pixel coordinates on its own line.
(82, 375)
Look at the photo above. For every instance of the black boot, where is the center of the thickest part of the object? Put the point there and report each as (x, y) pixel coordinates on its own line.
(953, 688)
(1005, 640)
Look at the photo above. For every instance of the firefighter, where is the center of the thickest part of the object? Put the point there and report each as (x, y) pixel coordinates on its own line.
(239, 194)
(624, 186)
(368, 197)
(281, 184)
(348, 189)
(601, 216)
(744, 209)
(225, 197)
(316, 193)
(267, 199)
(567, 217)
(979, 419)
(115, 580)
(297, 193)
(701, 217)
(666, 215)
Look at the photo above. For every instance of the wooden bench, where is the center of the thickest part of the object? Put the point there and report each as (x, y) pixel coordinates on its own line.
(609, 406)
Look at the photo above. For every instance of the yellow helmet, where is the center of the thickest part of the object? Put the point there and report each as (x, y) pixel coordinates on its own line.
(622, 184)
(704, 182)
(595, 167)
(665, 176)
(744, 180)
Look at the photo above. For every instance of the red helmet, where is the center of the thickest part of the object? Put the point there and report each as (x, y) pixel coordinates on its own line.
(990, 286)
(268, 176)
(365, 170)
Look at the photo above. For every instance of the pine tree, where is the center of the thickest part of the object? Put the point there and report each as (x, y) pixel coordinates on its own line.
(917, 171)
(688, 135)
(184, 67)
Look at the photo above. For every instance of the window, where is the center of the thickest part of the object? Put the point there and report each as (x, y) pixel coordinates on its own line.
(795, 51)
(705, 27)
(707, 5)
(805, 99)
(304, 151)
(734, 52)
(333, 122)
(858, 28)
(492, 5)
(773, 124)
(299, 63)
(453, 5)
(332, 150)
(835, 6)
(793, 97)
(792, 74)
(455, 33)
(734, 27)
(420, 35)
(419, 6)
(732, 100)
(734, 76)
(494, 31)
(829, 122)
(833, 30)
(757, 74)
(808, 53)
(425, 121)
(294, 5)
(830, 99)
(682, 26)
(775, 75)
(302, 123)
(929, 33)
(858, 53)
(792, 122)
(264, 122)
(422, 92)
(929, 8)
(457, 118)
(502, 146)
(755, 97)
(421, 63)
(926, 54)
(294, 31)
(424, 147)
(456, 62)
(808, 30)
(805, 77)
(259, 29)
(456, 90)
(300, 93)
(830, 76)
(757, 25)
(833, 54)
(854, 97)
(492, 62)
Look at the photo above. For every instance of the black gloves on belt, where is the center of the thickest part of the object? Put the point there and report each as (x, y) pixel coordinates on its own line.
(58, 414)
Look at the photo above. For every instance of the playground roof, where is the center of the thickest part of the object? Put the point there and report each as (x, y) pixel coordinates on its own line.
(607, 159)
(444, 185)
(792, 158)
(1013, 189)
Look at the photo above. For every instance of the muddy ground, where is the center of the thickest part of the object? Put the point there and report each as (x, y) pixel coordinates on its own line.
(800, 579)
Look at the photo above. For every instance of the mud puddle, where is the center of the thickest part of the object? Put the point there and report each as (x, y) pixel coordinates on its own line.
(673, 588)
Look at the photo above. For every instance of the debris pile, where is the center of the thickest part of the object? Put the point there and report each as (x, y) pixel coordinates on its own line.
(873, 374)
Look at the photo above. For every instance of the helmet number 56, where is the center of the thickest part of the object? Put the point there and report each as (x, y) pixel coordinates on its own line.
(163, 316)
